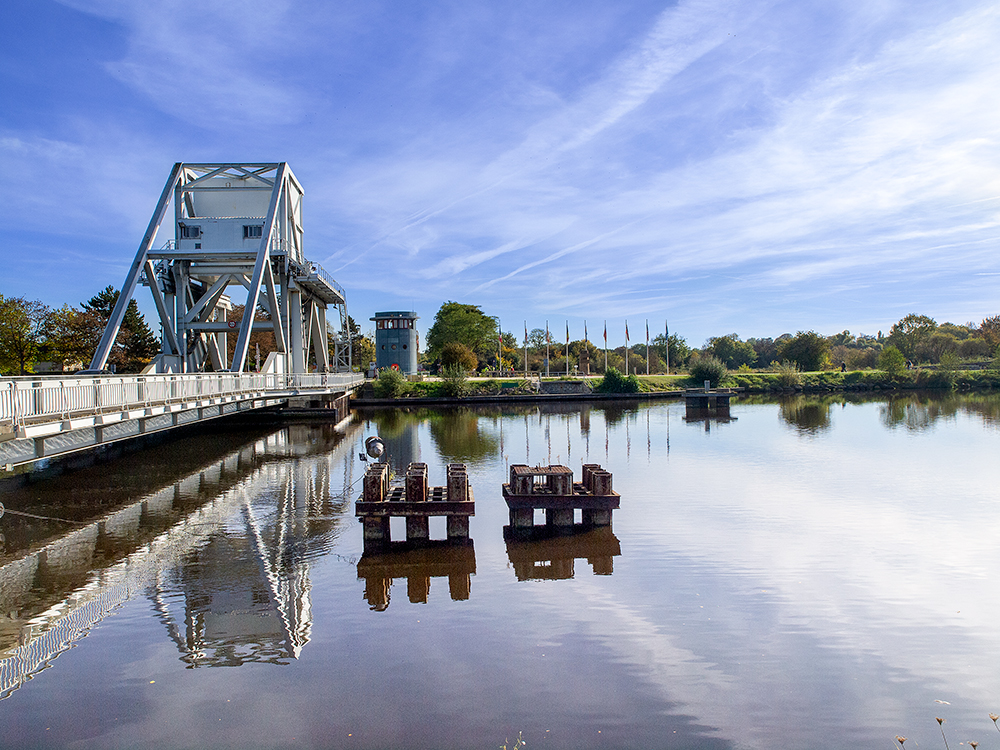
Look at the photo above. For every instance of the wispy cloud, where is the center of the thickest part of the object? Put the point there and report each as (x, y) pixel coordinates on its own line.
(715, 154)
(213, 65)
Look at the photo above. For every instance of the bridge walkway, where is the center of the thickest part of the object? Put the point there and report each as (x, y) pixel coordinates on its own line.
(43, 417)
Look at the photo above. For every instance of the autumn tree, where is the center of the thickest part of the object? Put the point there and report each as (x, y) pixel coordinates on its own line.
(22, 331)
(455, 353)
(261, 341)
(989, 331)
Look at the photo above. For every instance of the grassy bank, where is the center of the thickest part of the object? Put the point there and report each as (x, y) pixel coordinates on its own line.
(753, 382)
(861, 380)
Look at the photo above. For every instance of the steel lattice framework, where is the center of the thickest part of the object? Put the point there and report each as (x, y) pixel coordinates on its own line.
(234, 224)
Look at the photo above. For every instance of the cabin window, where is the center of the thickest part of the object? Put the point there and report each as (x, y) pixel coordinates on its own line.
(190, 232)
(252, 231)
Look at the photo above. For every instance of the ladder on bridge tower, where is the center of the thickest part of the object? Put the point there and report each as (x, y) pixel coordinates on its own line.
(234, 224)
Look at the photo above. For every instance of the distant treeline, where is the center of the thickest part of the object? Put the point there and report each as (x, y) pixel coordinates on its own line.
(463, 335)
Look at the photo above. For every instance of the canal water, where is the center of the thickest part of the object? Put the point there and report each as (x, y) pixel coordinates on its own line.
(809, 573)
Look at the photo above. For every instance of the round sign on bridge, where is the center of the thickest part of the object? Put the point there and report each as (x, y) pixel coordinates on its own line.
(232, 324)
(395, 366)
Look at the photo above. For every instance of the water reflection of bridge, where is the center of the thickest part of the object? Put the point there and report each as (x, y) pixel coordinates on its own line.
(222, 552)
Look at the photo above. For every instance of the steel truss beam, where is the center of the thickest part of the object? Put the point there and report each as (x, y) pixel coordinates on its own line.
(226, 233)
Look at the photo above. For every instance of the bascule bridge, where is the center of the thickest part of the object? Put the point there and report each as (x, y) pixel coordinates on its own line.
(234, 225)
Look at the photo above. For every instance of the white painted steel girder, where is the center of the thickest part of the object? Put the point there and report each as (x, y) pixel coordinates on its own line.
(234, 225)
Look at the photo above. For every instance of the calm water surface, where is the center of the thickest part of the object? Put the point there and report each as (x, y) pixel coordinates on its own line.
(812, 573)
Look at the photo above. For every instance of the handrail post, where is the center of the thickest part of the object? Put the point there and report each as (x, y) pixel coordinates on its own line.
(15, 410)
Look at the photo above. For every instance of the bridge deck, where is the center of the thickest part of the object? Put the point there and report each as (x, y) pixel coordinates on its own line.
(44, 417)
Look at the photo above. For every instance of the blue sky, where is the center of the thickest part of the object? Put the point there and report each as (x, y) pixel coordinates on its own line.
(749, 167)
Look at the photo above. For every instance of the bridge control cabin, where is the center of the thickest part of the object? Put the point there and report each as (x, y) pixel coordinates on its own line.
(397, 342)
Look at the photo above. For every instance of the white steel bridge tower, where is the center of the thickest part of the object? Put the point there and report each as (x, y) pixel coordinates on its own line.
(234, 224)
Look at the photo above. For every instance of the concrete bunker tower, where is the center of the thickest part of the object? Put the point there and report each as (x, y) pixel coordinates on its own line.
(396, 341)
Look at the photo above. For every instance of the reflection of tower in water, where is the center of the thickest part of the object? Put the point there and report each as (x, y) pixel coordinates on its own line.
(402, 447)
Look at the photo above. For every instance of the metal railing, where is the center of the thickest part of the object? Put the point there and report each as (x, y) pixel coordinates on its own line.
(26, 400)
(320, 272)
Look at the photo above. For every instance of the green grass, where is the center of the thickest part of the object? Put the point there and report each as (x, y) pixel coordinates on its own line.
(756, 381)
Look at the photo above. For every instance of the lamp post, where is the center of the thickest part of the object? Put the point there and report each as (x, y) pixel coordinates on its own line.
(499, 344)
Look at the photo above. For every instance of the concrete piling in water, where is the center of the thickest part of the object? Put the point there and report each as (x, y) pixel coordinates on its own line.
(551, 488)
(415, 501)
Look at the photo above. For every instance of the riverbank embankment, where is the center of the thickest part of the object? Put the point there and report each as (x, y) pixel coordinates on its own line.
(494, 391)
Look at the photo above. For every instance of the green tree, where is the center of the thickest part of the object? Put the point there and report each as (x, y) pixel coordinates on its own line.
(23, 325)
(765, 349)
(807, 349)
(465, 324)
(680, 352)
(731, 351)
(135, 344)
(706, 367)
(891, 361)
(72, 335)
(960, 332)
(910, 332)
(362, 347)
(935, 346)
(455, 381)
(536, 338)
(390, 383)
(615, 382)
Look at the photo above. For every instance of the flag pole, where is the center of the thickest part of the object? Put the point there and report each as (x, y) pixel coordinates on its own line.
(546, 348)
(525, 349)
(626, 348)
(605, 347)
(647, 346)
(666, 344)
(567, 348)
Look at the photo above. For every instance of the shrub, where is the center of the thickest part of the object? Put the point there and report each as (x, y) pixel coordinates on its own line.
(707, 368)
(891, 361)
(458, 354)
(455, 381)
(935, 379)
(489, 387)
(787, 374)
(614, 382)
(390, 384)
